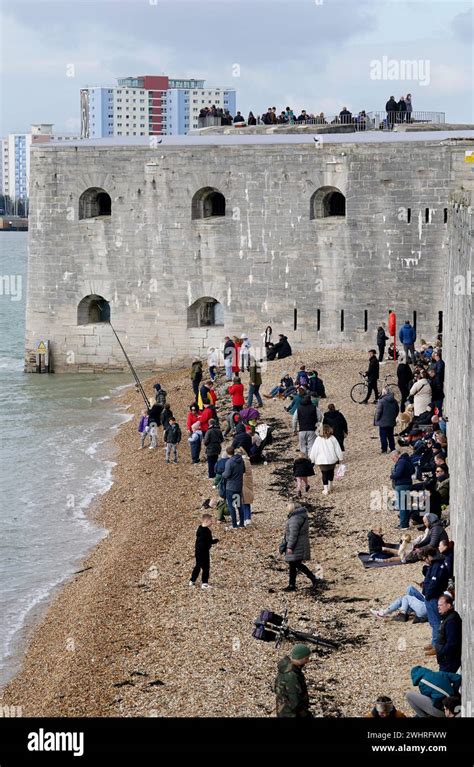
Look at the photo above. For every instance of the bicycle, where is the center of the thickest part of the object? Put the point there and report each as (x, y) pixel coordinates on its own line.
(271, 627)
(359, 390)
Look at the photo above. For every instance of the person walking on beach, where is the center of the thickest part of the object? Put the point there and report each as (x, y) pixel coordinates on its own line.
(165, 416)
(202, 551)
(385, 418)
(326, 453)
(292, 699)
(382, 339)
(196, 375)
(233, 476)
(212, 362)
(172, 439)
(228, 357)
(302, 469)
(295, 545)
(335, 419)
(255, 383)
(195, 434)
(307, 418)
(373, 375)
(213, 440)
(143, 428)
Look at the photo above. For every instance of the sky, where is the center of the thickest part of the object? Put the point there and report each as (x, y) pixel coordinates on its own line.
(318, 55)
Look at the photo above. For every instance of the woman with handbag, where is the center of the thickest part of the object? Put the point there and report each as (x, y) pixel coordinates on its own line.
(295, 545)
(326, 453)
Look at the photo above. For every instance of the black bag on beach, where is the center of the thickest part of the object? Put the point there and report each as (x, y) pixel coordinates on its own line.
(260, 631)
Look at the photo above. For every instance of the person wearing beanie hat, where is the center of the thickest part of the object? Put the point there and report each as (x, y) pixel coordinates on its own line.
(292, 700)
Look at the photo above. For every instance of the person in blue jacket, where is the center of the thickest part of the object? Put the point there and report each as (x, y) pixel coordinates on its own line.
(434, 687)
(436, 577)
(407, 337)
(402, 482)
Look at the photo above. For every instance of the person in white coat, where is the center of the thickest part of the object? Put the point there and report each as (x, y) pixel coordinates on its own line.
(212, 361)
(245, 352)
(421, 393)
(326, 453)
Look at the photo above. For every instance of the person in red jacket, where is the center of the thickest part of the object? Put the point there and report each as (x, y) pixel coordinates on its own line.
(236, 355)
(236, 391)
(204, 418)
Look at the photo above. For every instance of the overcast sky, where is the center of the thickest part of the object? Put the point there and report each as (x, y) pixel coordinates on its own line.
(313, 54)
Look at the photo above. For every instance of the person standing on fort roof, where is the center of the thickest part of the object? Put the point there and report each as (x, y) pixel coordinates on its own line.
(391, 108)
(409, 106)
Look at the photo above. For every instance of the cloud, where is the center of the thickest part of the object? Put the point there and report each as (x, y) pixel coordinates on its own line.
(463, 27)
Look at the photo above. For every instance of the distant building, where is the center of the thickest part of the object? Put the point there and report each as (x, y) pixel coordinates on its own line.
(149, 105)
(15, 165)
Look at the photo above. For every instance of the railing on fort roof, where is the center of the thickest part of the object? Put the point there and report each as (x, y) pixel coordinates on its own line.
(386, 120)
(360, 122)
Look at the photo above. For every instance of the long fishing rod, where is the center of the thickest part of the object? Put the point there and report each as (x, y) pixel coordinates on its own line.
(137, 380)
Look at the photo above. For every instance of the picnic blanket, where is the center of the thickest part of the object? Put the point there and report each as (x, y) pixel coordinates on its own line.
(370, 563)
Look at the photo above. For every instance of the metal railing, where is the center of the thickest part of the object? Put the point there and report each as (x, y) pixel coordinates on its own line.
(386, 120)
(370, 121)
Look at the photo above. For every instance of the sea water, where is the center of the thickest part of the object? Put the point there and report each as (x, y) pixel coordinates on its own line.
(55, 459)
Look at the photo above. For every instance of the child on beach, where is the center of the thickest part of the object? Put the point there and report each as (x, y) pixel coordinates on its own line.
(143, 428)
(204, 541)
(302, 469)
(172, 438)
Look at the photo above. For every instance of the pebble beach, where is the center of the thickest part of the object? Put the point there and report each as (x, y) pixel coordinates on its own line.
(126, 636)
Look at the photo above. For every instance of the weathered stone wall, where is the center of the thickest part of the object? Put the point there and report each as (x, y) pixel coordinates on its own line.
(458, 347)
(262, 261)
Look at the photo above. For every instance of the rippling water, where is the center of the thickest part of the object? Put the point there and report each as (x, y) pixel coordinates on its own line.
(53, 464)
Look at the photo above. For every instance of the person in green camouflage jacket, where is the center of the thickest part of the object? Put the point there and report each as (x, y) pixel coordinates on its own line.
(292, 698)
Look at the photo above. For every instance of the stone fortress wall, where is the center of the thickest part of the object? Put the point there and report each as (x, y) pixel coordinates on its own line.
(458, 349)
(273, 258)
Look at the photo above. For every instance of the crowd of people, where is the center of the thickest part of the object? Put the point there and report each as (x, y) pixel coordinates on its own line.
(397, 112)
(223, 423)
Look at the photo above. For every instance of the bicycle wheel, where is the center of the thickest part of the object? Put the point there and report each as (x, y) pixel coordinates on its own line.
(359, 393)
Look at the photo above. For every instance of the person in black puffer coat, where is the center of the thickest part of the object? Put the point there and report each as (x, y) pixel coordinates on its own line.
(213, 440)
(338, 424)
(382, 339)
(296, 546)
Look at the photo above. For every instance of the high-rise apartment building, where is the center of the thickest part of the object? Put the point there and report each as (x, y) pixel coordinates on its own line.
(149, 105)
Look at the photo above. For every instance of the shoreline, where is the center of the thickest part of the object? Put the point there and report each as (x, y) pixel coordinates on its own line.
(125, 637)
(105, 452)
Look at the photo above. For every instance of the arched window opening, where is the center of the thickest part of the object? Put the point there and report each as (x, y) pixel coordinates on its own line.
(92, 310)
(208, 203)
(205, 312)
(327, 202)
(94, 203)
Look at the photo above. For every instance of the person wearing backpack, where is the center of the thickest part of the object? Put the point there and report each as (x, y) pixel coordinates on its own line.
(172, 438)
